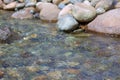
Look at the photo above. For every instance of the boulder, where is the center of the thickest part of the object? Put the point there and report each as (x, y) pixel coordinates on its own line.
(10, 6)
(30, 3)
(56, 1)
(1, 4)
(66, 10)
(8, 1)
(67, 23)
(23, 14)
(94, 2)
(108, 22)
(105, 4)
(48, 12)
(75, 1)
(83, 12)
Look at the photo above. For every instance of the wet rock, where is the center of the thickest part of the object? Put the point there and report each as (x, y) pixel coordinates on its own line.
(56, 1)
(57, 75)
(20, 5)
(32, 68)
(5, 33)
(105, 4)
(83, 12)
(1, 4)
(67, 23)
(72, 71)
(8, 1)
(10, 6)
(117, 5)
(75, 1)
(94, 2)
(42, 77)
(87, 2)
(61, 6)
(66, 10)
(103, 23)
(73, 64)
(1, 74)
(21, 1)
(23, 14)
(47, 1)
(13, 72)
(30, 3)
(45, 14)
(65, 2)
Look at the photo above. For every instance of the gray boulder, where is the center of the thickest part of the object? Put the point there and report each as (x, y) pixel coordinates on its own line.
(67, 23)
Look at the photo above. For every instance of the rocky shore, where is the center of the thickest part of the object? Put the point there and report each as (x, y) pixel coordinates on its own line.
(99, 15)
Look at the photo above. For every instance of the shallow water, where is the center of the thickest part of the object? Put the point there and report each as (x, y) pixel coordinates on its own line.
(44, 53)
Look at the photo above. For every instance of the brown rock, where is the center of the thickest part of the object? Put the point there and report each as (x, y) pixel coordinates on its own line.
(1, 74)
(83, 12)
(10, 6)
(56, 75)
(1, 4)
(8, 1)
(66, 10)
(56, 1)
(48, 12)
(42, 77)
(72, 71)
(117, 5)
(23, 14)
(108, 22)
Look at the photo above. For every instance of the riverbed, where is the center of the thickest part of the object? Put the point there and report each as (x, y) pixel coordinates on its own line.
(44, 53)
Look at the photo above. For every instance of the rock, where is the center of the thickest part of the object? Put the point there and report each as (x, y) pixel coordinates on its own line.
(23, 14)
(1, 74)
(30, 3)
(10, 6)
(5, 33)
(39, 6)
(61, 6)
(20, 5)
(72, 71)
(66, 10)
(75, 1)
(47, 1)
(48, 12)
(8, 1)
(105, 4)
(117, 5)
(21, 1)
(86, 2)
(42, 77)
(56, 75)
(1, 4)
(94, 2)
(56, 1)
(65, 2)
(106, 23)
(67, 23)
(83, 12)
(100, 10)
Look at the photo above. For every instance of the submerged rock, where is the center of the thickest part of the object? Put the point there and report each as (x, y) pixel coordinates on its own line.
(5, 33)
(108, 22)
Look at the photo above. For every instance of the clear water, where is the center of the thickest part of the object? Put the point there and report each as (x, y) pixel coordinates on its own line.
(44, 53)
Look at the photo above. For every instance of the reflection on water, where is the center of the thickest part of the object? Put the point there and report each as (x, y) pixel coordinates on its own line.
(43, 53)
